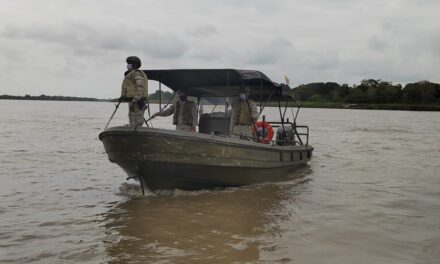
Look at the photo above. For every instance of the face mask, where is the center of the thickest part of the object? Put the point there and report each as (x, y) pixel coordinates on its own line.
(243, 96)
(182, 97)
(129, 67)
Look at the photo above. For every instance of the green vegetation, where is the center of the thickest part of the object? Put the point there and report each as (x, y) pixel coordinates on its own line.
(49, 98)
(164, 97)
(370, 92)
(413, 107)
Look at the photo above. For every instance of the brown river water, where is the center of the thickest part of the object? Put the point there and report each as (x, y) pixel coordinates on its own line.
(371, 194)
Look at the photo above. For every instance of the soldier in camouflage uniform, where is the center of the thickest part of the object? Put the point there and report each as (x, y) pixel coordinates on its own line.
(135, 91)
(185, 113)
(244, 115)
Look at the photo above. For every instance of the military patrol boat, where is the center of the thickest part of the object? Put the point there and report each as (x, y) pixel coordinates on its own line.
(165, 159)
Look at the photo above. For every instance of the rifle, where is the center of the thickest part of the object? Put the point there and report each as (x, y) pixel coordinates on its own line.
(114, 112)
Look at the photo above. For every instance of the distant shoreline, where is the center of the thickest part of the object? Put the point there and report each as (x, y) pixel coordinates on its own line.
(67, 98)
(306, 104)
(339, 105)
(52, 98)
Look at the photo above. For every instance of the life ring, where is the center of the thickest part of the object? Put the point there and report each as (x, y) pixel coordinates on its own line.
(268, 135)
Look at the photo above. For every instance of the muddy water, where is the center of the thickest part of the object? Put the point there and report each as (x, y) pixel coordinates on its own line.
(370, 195)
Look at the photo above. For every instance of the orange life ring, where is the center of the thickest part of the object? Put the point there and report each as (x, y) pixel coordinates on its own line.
(268, 131)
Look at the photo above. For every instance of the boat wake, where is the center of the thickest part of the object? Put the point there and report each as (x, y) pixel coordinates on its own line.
(133, 191)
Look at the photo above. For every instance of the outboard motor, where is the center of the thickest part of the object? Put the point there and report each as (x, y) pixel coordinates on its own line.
(286, 136)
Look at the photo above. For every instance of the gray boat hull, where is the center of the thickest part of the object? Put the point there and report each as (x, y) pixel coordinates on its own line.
(165, 159)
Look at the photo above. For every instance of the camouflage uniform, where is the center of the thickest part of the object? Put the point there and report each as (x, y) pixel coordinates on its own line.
(244, 114)
(185, 115)
(135, 92)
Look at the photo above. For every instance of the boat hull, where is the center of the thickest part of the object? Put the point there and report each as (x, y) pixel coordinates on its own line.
(165, 159)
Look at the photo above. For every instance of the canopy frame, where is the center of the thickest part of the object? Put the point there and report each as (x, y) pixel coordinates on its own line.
(219, 83)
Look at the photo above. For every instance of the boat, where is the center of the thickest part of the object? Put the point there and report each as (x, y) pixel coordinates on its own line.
(211, 158)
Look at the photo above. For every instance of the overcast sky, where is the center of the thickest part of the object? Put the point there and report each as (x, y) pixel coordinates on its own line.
(78, 48)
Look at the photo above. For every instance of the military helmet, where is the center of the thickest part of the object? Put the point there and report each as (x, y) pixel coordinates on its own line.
(134, 60)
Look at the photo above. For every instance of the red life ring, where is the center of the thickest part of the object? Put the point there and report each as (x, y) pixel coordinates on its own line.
(267, 129)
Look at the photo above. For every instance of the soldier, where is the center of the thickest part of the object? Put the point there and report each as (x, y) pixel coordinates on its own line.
(185, 113)
(135, 91)
(244, 115)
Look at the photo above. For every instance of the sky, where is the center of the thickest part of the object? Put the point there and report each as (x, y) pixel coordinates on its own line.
(78, 48)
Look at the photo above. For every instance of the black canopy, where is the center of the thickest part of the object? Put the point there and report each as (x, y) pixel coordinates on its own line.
(218, 82)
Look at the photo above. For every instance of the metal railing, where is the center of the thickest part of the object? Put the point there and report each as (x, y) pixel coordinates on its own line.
(298, 132)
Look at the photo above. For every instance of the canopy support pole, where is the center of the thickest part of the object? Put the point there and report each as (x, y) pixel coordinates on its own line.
(160, 95)
(261, 93)
(253, 121)
(281, 117)
(142, 185)
(227, 132)
(294, 126)
(285, 109)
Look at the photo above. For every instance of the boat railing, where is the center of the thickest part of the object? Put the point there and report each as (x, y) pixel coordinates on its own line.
(301, 134)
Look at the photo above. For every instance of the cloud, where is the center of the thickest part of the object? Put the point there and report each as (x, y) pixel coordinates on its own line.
(91, 40)
(203, 31)
(268, 52)
(320, 40)
(378, 44)
(434, 45)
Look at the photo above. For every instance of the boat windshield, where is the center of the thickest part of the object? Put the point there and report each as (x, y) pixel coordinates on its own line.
(218, 105)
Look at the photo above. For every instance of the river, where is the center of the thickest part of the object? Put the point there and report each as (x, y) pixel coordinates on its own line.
(371, 194)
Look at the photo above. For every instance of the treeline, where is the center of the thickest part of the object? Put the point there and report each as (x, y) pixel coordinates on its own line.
(166, 96)
(163, 95)
(153, 97)
(370, 91)
(49, 98)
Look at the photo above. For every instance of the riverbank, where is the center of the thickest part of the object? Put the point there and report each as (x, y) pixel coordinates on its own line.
(338, 105)
(51, 98)
(306, 104)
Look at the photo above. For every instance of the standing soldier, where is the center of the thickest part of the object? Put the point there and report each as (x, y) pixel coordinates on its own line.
(135, 91)
(185, 113)
(244, 115)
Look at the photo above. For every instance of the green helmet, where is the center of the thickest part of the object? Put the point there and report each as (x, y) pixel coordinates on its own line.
(135, 61)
